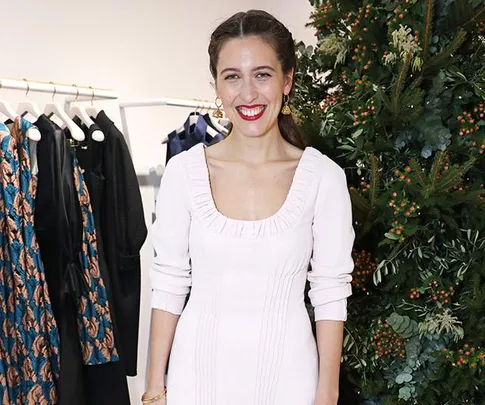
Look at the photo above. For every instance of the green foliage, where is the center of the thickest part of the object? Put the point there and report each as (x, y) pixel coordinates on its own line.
(394, 91)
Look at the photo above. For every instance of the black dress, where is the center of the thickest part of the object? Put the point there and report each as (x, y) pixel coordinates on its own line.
(124, 232)
(58, 229)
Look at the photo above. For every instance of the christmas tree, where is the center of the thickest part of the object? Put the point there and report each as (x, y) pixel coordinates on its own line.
(394, 91)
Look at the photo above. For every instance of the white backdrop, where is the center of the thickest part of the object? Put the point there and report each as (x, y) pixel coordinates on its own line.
(141, 49)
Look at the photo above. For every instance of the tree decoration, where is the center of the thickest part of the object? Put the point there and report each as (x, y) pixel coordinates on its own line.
(394, 92)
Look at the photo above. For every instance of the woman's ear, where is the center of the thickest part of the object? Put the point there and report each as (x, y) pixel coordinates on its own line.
(289, 81)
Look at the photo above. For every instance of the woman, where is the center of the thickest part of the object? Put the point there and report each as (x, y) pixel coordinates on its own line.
(238, 223)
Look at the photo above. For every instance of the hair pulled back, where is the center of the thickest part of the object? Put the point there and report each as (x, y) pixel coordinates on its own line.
(265, 26)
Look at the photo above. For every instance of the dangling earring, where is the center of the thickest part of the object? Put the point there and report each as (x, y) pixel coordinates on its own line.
(286, 110)
(218, 113)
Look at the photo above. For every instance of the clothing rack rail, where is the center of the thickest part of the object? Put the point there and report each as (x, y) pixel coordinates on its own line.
(57, 88)
(154, 102)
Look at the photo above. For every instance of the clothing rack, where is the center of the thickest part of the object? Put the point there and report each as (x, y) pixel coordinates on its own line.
(154, 102)
(154, 176)
(57, 88)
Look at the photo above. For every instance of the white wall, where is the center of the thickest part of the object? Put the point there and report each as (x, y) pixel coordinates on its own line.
(142, 49)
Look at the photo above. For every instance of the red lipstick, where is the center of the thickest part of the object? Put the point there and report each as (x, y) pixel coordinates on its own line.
(251, 107)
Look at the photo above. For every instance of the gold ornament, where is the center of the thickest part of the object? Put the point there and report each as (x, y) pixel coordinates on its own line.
(218, 113)
(286, 110)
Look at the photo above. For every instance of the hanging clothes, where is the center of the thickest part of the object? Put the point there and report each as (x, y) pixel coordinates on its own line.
(191, 135)
(59, 227)
(124, 231)
(69, 243)
(94, 318)
(29, 355)
(104, 383)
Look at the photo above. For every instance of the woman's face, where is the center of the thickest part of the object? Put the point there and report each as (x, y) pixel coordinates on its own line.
(251, 84)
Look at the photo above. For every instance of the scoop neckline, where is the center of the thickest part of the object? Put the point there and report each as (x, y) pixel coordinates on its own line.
(287, 201)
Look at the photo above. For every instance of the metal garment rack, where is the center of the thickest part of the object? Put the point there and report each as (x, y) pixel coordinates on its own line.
(154, 102)
(154, 177)
(58, 88)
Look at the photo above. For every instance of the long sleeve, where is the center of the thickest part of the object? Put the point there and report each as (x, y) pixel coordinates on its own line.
(171, 271)
(333, 237)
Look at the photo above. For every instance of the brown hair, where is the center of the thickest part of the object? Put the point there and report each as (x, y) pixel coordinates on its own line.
(263, 25)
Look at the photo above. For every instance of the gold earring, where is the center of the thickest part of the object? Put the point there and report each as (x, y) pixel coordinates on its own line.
(218, 113)
(286, 110)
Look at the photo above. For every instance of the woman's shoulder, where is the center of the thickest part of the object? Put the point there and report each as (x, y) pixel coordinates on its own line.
(322, 161)
(327, 170)
(182, 160)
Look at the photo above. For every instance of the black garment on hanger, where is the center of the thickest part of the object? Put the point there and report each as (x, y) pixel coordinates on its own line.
(58, 229)
(124, 231)
(105, 383)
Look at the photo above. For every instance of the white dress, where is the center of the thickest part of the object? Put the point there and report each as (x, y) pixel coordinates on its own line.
(244, 337)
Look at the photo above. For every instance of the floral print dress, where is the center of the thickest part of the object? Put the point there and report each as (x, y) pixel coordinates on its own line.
(29, 340)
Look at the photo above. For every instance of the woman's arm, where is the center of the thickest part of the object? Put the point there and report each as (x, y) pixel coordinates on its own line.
(162, 331)
(329, 341)
(330, 276)
(170, 273)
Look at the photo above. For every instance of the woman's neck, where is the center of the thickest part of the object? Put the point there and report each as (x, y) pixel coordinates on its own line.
(256, 150)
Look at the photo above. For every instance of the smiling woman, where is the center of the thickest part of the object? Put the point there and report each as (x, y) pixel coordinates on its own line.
(260, 37)
(254, 211)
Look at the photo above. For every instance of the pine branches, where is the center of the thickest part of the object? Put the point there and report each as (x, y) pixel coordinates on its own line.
(463, 15)
(365, 207)
(427, 27)
(401, 77)
(374, 180)
(442, 177)
(445, 57)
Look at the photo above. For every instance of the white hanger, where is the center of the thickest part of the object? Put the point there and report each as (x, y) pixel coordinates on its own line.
(7, 110)
(217, 125)
(92, 110)
(28, 106)
(81, 113)
(56, 109)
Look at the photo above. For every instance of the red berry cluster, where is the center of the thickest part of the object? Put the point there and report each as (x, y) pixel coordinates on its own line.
(468, 357)
(398, 16)
(331, 100)
(440, 294)
(403, 210)
(404, 175)
(364, 268)
(480, 26)
(325, 14)
(415, 293)
(360, 19)
(481, 149)
(362, 83)
(362, 55)
(388, 343)
(364, 187)
(364, 113)
(468, 123)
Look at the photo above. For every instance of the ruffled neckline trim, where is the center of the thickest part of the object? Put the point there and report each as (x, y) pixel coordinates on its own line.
(287, 216)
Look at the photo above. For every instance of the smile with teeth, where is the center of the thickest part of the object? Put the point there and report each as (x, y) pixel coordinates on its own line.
(251, 112)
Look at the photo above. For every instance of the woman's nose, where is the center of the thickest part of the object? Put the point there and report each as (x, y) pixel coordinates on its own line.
(249, 92)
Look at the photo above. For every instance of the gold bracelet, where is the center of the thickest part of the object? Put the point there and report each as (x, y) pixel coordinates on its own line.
(153, 399)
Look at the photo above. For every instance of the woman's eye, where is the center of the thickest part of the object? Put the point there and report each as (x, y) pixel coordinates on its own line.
(263, 75)
(231, 77)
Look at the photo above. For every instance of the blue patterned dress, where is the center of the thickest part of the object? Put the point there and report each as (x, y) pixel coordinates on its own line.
(95, 325)
(29, 340)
